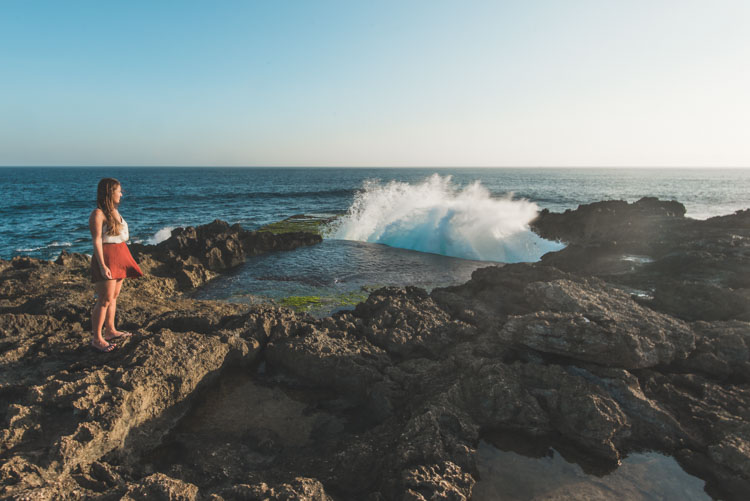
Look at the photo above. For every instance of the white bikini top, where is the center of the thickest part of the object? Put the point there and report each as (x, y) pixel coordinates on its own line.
(124, 236)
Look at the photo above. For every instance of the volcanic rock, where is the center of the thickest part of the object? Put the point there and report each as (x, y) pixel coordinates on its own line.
(212, 400)
(591, 322)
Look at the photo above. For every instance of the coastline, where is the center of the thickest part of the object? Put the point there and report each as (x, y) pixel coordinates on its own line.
(608, 353)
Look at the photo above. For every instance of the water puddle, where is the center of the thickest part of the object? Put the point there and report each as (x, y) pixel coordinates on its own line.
(541, 472)
(637, 294)
(632, 258)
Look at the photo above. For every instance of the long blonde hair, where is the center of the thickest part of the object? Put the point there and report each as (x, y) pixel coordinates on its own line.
(105, 201)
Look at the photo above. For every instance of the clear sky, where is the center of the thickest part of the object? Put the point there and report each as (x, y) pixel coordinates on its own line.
(375, 83)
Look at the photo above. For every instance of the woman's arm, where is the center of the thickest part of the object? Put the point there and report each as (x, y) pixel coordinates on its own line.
(96, 220)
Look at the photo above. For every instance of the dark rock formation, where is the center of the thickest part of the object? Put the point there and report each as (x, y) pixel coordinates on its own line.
(643, 224)
(222, 401)
(194, 255)
(692, 269)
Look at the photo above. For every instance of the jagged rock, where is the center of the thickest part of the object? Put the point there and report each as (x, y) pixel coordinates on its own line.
(591, 322)
(216, 245)
(72, 259)
(722, 350)
(303, 489)
(407, 322)
(647, 221)
(696, 270)
(440, 481)
(388, 401)
(191, 276)
(542, 399)
(701, 301)
(160, 486)
(22, 324)
(24, 262)
(351, 366)
(716, 419)
(493, 293)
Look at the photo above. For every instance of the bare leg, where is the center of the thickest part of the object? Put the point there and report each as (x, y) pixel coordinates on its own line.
(105, 290)
(109, 321)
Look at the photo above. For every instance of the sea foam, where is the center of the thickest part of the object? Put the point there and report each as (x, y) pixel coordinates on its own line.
(438, 217)
(48, 246)
(160, 235)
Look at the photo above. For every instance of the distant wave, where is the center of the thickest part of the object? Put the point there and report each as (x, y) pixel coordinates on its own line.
(48, 246)
(194, 197)
(436, 216)
(29, 249)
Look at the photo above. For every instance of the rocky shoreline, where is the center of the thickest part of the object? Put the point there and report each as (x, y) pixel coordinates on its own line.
(634, 337)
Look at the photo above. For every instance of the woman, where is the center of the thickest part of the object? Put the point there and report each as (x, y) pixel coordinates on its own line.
(110, 264)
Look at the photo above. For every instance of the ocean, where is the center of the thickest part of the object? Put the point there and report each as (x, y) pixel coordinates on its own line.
(420, 226)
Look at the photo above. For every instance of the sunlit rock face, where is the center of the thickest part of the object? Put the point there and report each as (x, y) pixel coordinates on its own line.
(393, 400)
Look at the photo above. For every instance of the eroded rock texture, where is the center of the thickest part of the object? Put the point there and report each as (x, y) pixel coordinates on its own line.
(389, 401)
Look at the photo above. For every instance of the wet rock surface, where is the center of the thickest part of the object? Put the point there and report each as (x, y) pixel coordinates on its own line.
(211, 400)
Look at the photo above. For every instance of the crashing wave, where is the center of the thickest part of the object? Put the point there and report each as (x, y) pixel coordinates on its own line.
(438, 217)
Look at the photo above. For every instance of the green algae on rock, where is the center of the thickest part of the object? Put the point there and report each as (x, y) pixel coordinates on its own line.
(323, 303)
(301, 302)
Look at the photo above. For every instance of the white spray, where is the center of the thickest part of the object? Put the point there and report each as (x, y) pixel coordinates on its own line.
(160, 235)
(435, 216)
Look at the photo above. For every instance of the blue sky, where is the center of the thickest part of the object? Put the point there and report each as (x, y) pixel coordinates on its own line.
(381, 83)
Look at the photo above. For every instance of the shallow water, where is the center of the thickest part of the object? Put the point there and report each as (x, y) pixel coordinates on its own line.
(339, 272)
(547, 475)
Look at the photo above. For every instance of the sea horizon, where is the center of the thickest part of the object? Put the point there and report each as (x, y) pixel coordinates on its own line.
(617, 167)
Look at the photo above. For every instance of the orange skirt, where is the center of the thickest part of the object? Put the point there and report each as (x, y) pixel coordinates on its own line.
(120, 262)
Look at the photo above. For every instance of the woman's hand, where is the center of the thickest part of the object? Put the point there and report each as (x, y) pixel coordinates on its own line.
(105, 271)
